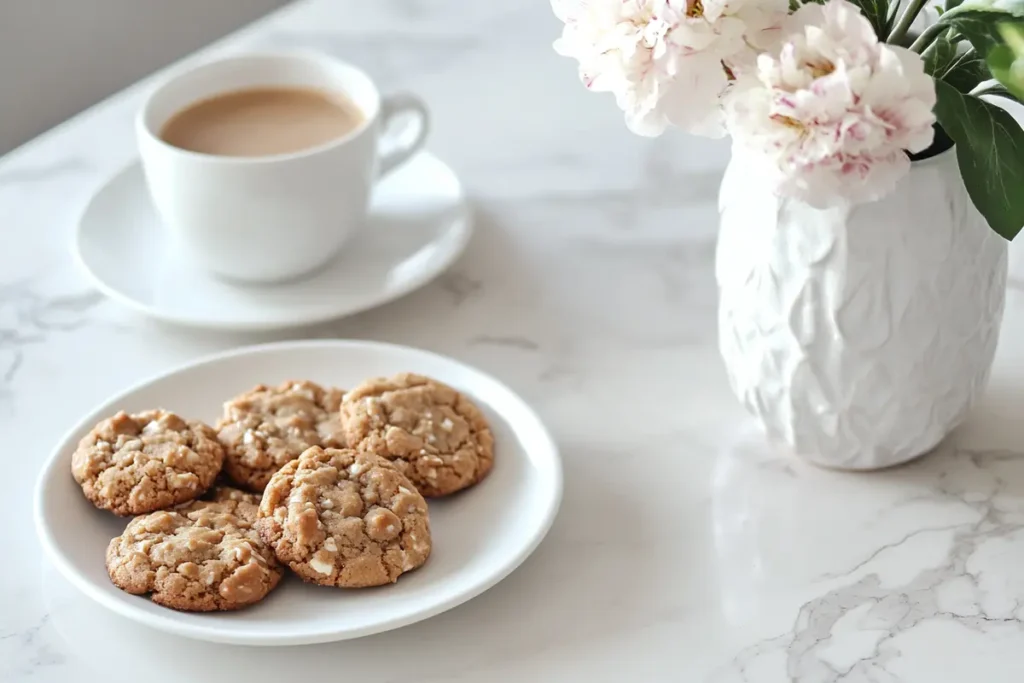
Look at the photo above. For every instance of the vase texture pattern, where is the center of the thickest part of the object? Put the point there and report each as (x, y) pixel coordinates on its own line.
(859, 336)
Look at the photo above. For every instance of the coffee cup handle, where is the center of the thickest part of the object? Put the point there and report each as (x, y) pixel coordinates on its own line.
(400, 140)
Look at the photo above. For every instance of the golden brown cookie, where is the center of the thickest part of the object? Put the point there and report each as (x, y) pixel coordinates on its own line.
(222, 494)
(134, 464)
(199, 557)
(264, 428)
(342, 518)
(433, 434)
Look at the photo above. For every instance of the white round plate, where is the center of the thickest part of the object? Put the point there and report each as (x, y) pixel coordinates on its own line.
(479, 535)
(418, 225)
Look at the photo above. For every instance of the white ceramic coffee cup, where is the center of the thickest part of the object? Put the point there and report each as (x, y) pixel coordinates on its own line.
(272, 218)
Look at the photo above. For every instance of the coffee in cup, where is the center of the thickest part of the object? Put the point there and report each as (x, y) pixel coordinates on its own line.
(262, 122)
(262, 166)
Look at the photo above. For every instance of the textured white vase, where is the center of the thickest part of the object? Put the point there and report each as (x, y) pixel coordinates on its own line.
(858, 336)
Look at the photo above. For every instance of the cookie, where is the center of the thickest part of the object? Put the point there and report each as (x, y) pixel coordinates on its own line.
(264, 428)
(223, 494)
(134, 464)
(342, 518)
(202, 556)
(431, 432)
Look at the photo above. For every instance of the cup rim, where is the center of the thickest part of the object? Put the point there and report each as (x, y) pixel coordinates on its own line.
(142, 115)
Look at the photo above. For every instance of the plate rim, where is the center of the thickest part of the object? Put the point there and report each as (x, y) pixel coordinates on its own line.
(463, 226)
(54, 554)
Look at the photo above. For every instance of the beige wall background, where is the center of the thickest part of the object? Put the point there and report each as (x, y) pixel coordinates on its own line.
(58, 57)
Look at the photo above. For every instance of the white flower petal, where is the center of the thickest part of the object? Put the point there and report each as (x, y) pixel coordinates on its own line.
(832, 112)
(692, 103)
(662, 59)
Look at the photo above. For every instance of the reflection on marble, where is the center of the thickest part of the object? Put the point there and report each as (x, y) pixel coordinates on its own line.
(686, 549)
(955, 574)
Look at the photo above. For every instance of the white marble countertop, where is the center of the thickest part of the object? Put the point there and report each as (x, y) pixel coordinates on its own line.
(686, 549)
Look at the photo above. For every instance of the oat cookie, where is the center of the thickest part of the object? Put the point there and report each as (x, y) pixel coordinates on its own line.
(433, 434)
(347, 519)
(221, 493)
(134, 464)
(198, 557)
(264, 428)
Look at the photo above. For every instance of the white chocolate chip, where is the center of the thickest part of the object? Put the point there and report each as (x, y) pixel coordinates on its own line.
(326, 503)
(177, 481)
(418, 544)
(248, 438)
(321, 567)
(447, 425)
(330, 546)
(431, 438)
(407, 563)
(297, 389)
(130, 444)
(152, 428)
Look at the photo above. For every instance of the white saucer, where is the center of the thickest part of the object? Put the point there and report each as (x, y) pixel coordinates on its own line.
(479, 536)
(419, 224)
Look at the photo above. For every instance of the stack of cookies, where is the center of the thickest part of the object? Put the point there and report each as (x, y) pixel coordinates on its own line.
(329, 484)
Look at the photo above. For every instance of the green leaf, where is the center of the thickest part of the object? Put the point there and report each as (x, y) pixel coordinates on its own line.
(939, 56)
(877, 12)
(978, 21)
(1006, 61)
(1000, 61)
(945, 61)
(990, 153)
(966, 72)
(953, 4)
(997, 89)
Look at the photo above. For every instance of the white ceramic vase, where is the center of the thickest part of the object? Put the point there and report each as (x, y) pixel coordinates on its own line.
(859, 336)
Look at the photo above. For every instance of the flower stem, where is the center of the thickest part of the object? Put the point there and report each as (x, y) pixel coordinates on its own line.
(926, 37)
(906, 19)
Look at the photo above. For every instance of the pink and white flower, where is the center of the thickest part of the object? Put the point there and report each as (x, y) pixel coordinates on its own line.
(832, 111)
(664, 60)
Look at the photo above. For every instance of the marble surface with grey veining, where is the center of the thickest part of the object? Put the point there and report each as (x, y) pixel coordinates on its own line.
(687, 549)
